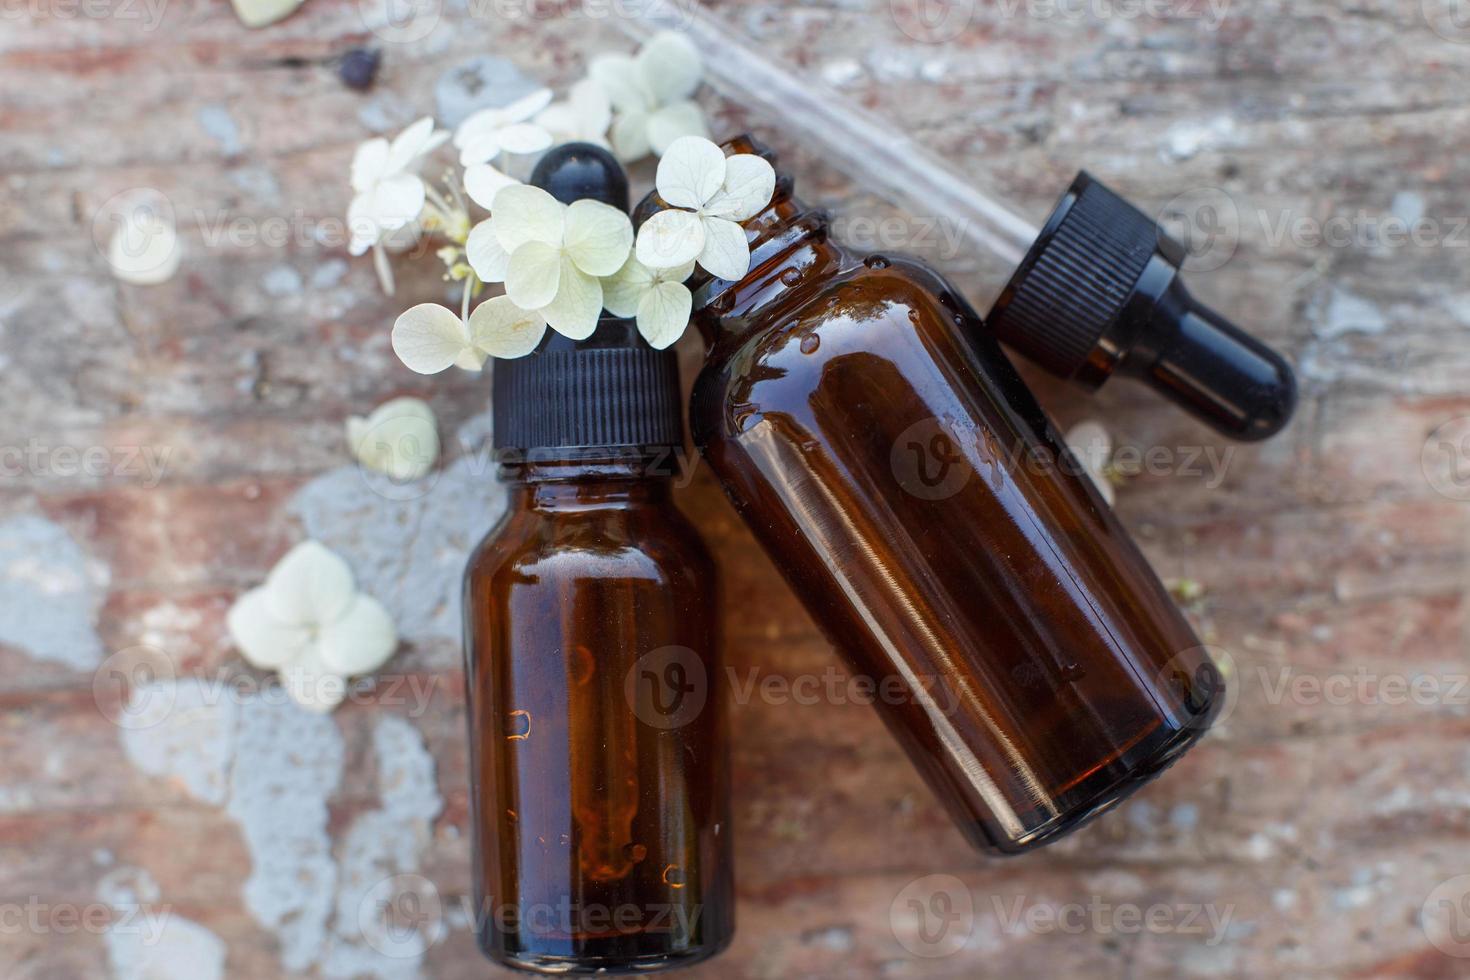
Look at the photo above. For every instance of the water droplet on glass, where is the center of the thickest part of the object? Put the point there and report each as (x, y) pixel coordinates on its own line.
(518, 726)
(674, 876)
(790, 277)
(635, 852)
(876, 262)
(810, 343)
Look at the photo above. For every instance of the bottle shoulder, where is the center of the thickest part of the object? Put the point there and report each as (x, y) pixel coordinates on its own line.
(642, 544)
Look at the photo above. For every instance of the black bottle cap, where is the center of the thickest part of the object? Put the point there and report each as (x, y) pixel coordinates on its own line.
(574, 171)
(611, 391)
(1100, 292)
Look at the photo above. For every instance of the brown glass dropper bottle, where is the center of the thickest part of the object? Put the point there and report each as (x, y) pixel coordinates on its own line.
(867, 426)
(599, 770)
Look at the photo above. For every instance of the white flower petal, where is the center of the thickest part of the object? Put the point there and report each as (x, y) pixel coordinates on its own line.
(400, 438)
(263, 641)
(534, 275)
(630, 136)
(311, 685)
(726, 253)
(395, 201)
(592, 106)
(669, 66)
(524, 138)
(484, 253)
(410, 144)
(477, 124)
(690, 172)
(561, 120)
(526, 106)
(578, 304)
(482, 182)
(359, 641)
(750, 182)
(622, 290)
(428, 338)
(598, 237)
(480, 149)
(362, 225)
(526, 214)
(674, 121)
(144, 249)
(309, 586)
(618, 77)
(502, 329)
(470, 359)
(669, 239)
(663, 313)
(369, 164)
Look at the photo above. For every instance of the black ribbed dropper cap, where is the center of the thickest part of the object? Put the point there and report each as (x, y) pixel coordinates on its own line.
(1099, 292)
(611, 391)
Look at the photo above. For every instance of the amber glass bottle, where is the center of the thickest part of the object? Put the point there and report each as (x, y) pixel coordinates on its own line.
(599, 768)
(887, 455)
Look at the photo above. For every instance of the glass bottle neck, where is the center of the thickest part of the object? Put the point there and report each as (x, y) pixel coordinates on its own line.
(591, 482)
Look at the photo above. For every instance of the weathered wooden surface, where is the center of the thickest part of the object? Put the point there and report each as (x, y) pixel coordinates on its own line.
(1319, 819)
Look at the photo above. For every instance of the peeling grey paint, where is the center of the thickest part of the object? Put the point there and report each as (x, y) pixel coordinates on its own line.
(49, 594)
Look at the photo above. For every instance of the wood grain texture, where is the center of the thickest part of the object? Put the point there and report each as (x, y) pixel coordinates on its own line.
(1321, 816)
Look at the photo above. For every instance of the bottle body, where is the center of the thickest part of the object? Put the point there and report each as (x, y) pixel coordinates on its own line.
(599, 772)
(892, 462)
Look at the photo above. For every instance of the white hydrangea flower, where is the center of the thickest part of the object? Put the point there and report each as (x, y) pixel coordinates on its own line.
(583, 118)
(389, 193)
(429, 338)
(550, 255)
(489, 133)
(1093, 446)
(144, 249)
(309, 623)
(651, 93)
(710, 195)
(400, 439)
(658, 299)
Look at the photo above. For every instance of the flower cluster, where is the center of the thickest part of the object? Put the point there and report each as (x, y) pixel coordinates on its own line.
(558, 266)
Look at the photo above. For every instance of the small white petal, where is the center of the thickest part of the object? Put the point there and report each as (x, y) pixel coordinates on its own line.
(690, 172)
(400, 438)
(578, 304)
(395, 201)
(726, 253)
(364, 228)
(670, 67)
(482, 182)
(630, 136)
(502, 329)
(674, 121)
(470, 359)
(410, 144)
(311, 685)
(669, 239)
(484, 253)
(663, 313)
(264, 641)
(481, 148)
(618, 76)
(311, 585)
(144, 249)
(524, 138)
(369, 164)
(622, 291)
(428, 338)
(527, 214)
(526, 106)
(561, 120)
(534, 275)
(598, 237)
(477, 124)
(359, 641)
(592, 106)
(750, 182)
